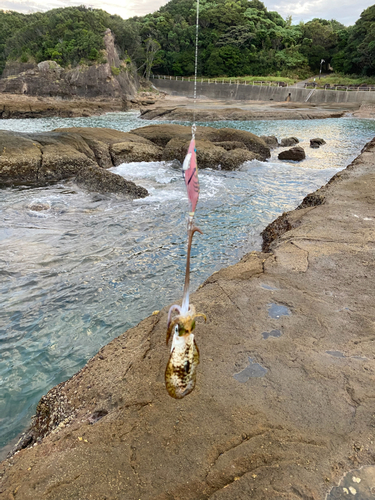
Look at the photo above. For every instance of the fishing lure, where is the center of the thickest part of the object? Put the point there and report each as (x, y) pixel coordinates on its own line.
(180, 374)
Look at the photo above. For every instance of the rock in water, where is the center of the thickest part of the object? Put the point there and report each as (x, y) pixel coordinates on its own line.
(317, 142)
(216, 148)
(288, 141)
(126, 152)
(294, 154)
(231, 160)
(272, 141)
(102, 181)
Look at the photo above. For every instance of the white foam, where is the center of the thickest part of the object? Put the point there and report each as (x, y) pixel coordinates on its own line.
(210, 185)
(162, 195)
(157, 171)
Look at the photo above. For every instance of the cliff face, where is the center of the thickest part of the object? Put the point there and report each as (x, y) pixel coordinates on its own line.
(115, 78)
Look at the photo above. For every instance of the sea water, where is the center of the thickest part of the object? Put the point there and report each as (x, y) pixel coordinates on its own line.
(78, 269)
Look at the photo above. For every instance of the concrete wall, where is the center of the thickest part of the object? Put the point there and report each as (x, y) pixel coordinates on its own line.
(260, 93)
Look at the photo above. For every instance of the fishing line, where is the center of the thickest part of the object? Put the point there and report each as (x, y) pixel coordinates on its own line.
(194, 126)
(180, 373)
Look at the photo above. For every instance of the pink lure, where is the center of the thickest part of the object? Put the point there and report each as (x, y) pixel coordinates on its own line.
(190, 172)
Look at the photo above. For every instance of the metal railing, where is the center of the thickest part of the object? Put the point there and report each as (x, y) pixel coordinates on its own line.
(347, 88)
(216, 81)
(262, 83)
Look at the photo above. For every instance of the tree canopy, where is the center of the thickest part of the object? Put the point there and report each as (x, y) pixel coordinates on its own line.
(68, 36)
(236, 37)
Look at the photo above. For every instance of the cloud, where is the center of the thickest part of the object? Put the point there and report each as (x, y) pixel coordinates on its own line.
(345, 11)
(123, 9)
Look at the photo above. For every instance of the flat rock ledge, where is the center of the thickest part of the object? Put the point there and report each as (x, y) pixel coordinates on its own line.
(284, 403)
(236, 114)
(81, 154)
(84, 154)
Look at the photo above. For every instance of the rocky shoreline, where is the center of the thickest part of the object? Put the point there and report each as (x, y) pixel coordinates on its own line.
(284, 401)
(81, 154)
(13, 106)
(84, 154)
(154, 105)
(291, 112)
(16, 107)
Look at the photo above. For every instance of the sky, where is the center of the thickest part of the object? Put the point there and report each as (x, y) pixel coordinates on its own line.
(345, 11)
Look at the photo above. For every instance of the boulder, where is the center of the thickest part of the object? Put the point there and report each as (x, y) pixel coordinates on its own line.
(68, 138)
(294, 154)
(51, 67)
(101, 152)
(64, 154)
(209, 155)
(99, 140)
(162, 134)
(105, 135)
(176, 149)
(251, 141)
(61, 162)
(288, 141)
(231, 160)
(20, 159)
(126, 152)
(42, 158)
(39, 207)
(270, 140)
(317, 142)
(102, 181)
(229, 145)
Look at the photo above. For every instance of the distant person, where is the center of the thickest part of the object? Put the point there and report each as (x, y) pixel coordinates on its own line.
(288, 97)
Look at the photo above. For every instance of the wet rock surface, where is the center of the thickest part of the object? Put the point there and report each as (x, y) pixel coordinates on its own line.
(295, 423)
(42, 158)
(226, 147)
(271, 141)
(82, 154)
(101, 181)
(317, 142)
(288, 141)
(293, 154)
(359, 483)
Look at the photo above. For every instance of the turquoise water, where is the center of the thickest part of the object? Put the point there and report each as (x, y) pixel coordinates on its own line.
(88, 267)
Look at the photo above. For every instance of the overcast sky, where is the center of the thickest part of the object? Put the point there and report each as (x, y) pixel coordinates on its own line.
(345, 11)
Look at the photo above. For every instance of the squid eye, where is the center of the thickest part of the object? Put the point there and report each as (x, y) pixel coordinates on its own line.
(193, 325)
(181, 331)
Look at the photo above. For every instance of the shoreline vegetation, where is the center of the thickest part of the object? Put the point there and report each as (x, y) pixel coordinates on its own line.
(235, 39)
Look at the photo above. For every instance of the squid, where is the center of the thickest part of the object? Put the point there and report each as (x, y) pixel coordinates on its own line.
(181, 370)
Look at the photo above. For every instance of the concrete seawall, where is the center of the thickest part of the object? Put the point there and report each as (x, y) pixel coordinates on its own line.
(241, 92)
